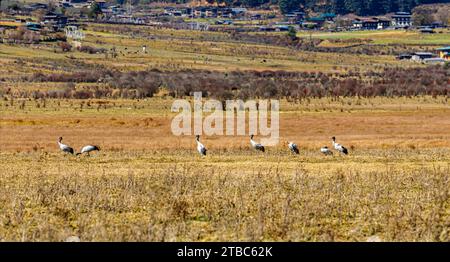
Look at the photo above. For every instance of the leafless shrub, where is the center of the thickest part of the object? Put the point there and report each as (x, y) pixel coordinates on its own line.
(65, 47)
(91, 50)
(390, 82)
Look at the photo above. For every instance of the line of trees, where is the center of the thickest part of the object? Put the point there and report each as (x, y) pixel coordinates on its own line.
(360, 7)
(294, 86)
(376, 7)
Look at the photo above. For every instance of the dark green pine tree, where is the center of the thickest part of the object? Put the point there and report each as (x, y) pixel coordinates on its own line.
(339, 7)
(310, 4)
(284, 6)
(95, 10)
(374, 7)
(292, 33)
(392, 6)
(254, 3)
(385, 6)
(403, 5)
(356, 6)
(287, 6)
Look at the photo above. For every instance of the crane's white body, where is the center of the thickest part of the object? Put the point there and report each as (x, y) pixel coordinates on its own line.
(293, 147)
(255, 145)
(326, 151)
(200, 147)
(88, 149)
(339, 147)
(64, 148)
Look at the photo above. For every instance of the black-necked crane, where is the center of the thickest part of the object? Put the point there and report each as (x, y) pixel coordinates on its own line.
(64, 148)
(200, 147)
(87, 149)
(255, 145)
(339, 147)
(326, 151)
(293, 147)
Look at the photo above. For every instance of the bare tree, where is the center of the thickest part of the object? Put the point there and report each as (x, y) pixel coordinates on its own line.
(443, 15)
(422, 17)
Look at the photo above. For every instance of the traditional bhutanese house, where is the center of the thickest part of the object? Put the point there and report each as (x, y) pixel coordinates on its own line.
(420, 56)
(383, 23)
(309, 25)
(255, 16)
(101, 3)
(294, 17)
(33, 26)
(437, 25)
(225, 12)
(318, 21)
(211, 12)
(401, 19)
(238, 11)
(328, 16)
(371, 23)
(282, 28)
(404, 57)
(205, 12)
(444, 53)
(266, 29)
(365, 24)
(56, 21)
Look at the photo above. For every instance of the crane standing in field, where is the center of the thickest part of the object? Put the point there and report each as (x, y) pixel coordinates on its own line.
(200, 147)
(87, 149)
(64, 148)
(326, 151)
(339, 147)
(293, 147)
(255, 145)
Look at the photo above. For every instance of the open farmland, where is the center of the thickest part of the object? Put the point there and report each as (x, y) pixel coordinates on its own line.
(183, 49)
(387, 37)
(149, 185)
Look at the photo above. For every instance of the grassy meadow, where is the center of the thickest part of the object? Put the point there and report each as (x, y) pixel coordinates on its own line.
(149, 185)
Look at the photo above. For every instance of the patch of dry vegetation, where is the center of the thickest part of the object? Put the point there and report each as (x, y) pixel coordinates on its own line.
(146, 185)
(107, 197)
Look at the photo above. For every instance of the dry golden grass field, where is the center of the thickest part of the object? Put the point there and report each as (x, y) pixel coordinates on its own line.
(148, 185)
